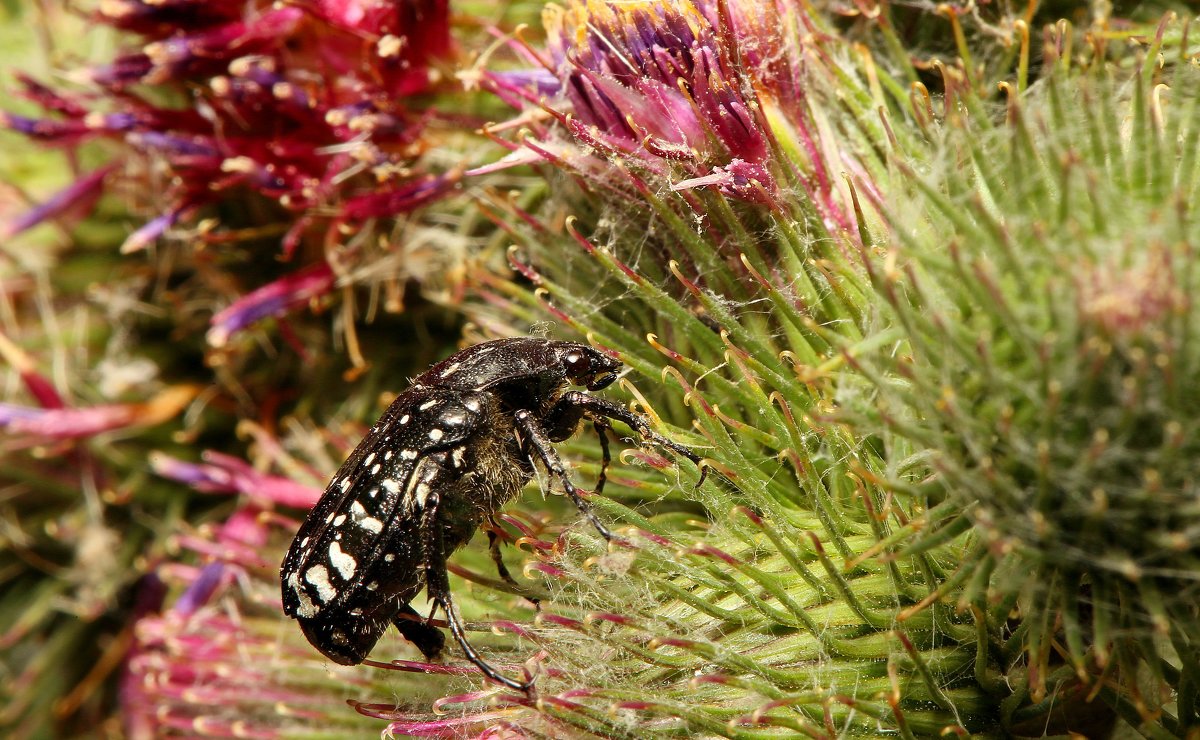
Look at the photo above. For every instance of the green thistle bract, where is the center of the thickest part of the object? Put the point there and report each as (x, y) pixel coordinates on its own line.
(1046, 361)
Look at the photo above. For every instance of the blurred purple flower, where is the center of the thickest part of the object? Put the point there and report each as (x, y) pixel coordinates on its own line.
(273, 299)
(221, 473)
(307, 105)
(37, 424)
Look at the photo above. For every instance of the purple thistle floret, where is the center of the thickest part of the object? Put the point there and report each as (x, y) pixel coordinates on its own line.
(306, 105)
(656, 83)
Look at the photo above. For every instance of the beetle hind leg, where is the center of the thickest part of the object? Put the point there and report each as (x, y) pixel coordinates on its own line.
(539, 442)
(437, 585)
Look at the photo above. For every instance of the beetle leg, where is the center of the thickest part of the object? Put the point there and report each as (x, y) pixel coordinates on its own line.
(414, 628)
(498, 559)
(597, 407)
(536, 439)
(602, 427)
(437, 585)
(494, 550)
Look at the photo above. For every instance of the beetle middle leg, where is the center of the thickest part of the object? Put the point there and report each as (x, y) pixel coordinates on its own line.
(437, 585)
(501, 568)
(539, 442)
(602, 427)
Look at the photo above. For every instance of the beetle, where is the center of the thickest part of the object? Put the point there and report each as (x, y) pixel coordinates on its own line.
(444, 457)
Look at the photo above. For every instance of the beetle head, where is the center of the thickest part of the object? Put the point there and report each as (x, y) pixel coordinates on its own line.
(587, 367)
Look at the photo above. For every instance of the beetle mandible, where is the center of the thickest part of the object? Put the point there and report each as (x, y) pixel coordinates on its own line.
(444, 457)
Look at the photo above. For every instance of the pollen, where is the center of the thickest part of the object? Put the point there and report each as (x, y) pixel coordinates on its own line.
(422, 493)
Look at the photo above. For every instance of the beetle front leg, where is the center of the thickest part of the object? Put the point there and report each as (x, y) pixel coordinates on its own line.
(437, 585)
(538, 441)
(597, 408)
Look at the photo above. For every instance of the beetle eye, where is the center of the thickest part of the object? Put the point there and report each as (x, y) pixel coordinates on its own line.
(577, 364)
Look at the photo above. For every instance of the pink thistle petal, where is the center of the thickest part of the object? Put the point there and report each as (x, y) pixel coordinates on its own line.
(74, 201)
(739, 179)
(38, 385)
(397, 200)
(561, 621)
(74, 423)
(224, 474)
(447, 728)
(151, 230)
(201, 590)
(273, 299)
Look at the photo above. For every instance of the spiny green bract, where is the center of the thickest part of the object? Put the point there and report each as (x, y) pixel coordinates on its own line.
(1047, 358)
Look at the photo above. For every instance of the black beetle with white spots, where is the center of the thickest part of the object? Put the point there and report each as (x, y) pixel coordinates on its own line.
(445, 456)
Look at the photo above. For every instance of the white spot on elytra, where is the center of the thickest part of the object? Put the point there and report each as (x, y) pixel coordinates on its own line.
(472, 404)
(306, 608)
(344, 562)
(428, 405)
(373, 585)
(408, 454)
(387, 456)
(329, 518)
(370, 459)
(337, 522)
(404, 419)
(436, 434)
(304, 542)
(318, 576)
(371, 524)
(375, 469)
(357, 511)
(450, 370)
(392, 485)
(344, 484)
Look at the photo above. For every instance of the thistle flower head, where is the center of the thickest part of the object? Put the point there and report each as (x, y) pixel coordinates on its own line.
(657, 75)
(1048, 329)
(663, 87)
